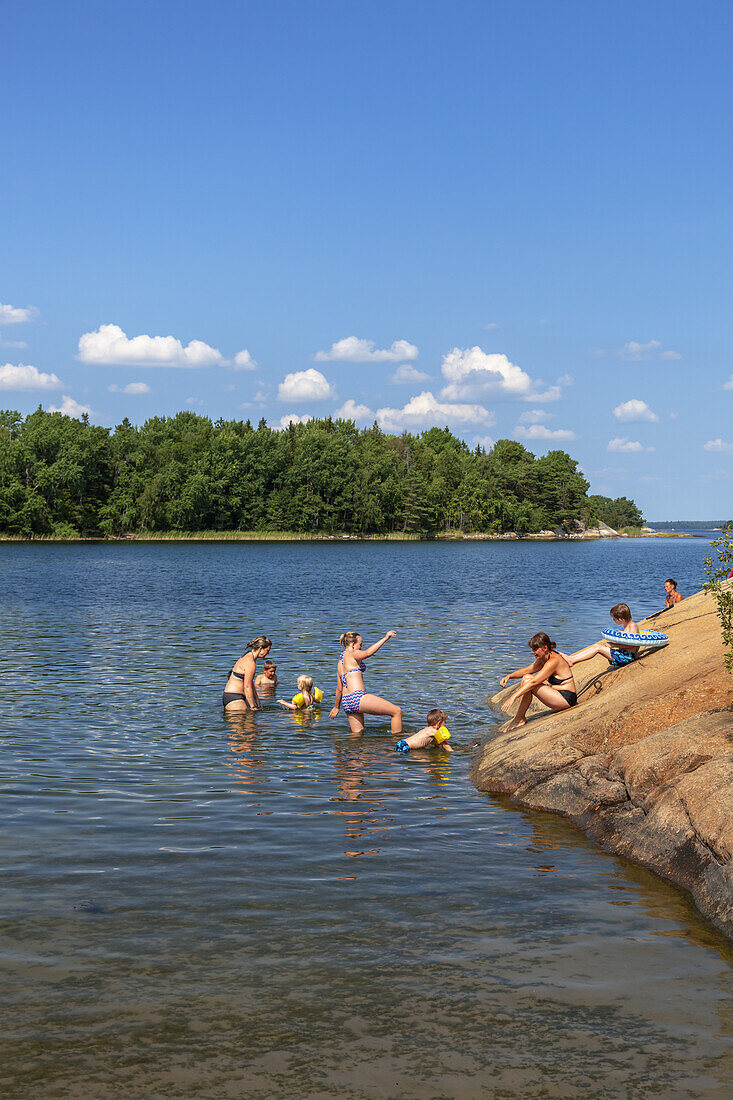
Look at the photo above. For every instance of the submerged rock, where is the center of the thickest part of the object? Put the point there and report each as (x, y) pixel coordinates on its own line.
(644, 763)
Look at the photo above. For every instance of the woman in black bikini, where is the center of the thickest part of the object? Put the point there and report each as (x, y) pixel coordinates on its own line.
(240, 692)
(549, 679)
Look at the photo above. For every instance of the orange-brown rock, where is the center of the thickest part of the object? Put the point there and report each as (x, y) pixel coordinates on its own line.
(644, 763)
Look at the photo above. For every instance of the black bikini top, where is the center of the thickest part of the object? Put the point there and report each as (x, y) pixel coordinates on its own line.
(555, 680)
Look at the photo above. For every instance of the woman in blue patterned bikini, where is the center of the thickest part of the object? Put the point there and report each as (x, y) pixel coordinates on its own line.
(350, 691)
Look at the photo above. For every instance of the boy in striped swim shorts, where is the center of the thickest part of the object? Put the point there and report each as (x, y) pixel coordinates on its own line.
(617, 654)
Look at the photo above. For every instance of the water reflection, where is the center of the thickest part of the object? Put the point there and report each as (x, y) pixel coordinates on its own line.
(246, 763)
(357, 783)
(175, 879)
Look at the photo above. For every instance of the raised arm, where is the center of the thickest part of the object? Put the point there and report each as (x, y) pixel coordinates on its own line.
(337, 698)
(362, 654)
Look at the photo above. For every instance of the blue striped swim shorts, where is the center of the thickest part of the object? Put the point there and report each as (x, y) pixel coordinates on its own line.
(621, 657)
(350, 702)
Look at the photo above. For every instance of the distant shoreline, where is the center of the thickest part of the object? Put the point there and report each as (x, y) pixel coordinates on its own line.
(288, 536)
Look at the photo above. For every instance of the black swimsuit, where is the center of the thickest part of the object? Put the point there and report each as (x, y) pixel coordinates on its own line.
(570, 697)
(230, 696)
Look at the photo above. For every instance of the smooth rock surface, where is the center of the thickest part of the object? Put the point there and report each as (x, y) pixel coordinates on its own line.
(644, 763)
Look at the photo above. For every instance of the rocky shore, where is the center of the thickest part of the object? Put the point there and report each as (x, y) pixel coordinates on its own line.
(644, 763)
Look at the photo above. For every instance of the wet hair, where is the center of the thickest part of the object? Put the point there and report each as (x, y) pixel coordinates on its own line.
(621, 611)
(436, 718)
(260, 642)
(269, 664)
(541, 639)
(349, 638)
(305, 683)
(670, 581)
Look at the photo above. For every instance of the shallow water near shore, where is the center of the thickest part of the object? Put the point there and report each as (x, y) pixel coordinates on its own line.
(261, 906)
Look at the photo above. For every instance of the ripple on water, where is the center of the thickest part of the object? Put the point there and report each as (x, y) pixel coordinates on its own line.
(197, 905)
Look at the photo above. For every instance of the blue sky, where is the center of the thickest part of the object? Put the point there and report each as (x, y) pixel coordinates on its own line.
(512, 218)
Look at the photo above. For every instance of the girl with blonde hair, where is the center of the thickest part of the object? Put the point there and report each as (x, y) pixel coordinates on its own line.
(308, 695)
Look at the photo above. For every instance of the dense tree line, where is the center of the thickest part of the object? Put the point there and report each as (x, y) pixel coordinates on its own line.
(60, 476)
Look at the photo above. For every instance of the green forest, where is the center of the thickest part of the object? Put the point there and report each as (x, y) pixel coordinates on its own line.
(63, 478)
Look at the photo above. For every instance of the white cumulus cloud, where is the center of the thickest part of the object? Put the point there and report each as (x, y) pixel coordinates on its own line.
(484, 441)
(718, 445)
(354, 350)
(244, 361)
(729, 384)
(634, 410)
(304, 385)
(351, 411)
(541, 432)
(552, 393)
(16, 315)
(110, 346)
(635, 352)
(293, 418)
(70, 407)
(623, 446)
(132, 388)
(535, 416)
(22, 377)
(424, 411)
(471, 372)
(407, 373)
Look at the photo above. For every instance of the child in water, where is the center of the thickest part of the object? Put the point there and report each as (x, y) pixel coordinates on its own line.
(617, 654)
(432, 736)
(308, 695)
(266, 682)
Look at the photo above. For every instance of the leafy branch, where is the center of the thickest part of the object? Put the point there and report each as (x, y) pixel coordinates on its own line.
(719, 583)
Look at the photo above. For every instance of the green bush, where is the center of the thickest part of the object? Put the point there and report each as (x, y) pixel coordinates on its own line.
(721, 587)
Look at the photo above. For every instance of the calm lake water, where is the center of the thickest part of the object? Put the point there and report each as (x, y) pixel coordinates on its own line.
(197, 906)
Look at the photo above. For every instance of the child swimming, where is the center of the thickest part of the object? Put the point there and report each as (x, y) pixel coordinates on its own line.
(266, 682)
(308, 695)
(432, 736)
(618, 654)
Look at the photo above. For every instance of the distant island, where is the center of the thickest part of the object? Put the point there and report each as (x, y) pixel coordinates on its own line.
(186, 475)
(689, 524)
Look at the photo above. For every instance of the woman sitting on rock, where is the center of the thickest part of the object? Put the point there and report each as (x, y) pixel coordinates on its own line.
(549, 679)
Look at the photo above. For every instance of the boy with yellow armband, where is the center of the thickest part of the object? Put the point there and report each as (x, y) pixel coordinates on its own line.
(434, 735)
(308, 695)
